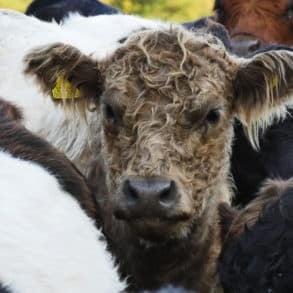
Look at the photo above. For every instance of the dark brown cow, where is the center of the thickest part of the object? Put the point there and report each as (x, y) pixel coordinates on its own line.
(254, 24)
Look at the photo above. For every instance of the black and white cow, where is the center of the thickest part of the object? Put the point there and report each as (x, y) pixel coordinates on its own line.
(48, 238)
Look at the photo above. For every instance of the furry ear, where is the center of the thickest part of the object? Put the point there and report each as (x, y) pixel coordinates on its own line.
(262, 89)
(65, 73)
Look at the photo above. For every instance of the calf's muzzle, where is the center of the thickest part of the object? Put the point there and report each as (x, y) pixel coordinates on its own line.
(147, 197)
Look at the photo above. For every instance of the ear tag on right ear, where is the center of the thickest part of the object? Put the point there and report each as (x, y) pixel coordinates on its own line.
(63, 90)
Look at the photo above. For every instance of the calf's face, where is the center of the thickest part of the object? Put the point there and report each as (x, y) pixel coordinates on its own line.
(167, 106)
(255, 24)
(166, 131)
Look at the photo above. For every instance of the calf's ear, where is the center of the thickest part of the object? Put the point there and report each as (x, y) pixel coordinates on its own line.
(65, 73)
(263, 86)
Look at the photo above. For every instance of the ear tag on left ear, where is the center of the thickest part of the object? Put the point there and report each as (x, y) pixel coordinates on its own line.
(274, 82)
(63, 90)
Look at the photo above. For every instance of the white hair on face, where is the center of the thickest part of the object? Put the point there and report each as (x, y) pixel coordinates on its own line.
(47, 242)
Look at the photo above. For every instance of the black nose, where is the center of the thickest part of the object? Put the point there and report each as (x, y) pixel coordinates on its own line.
(244, 47)
(148, 196)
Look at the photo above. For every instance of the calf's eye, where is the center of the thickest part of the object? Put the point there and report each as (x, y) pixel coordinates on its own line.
(213, 116)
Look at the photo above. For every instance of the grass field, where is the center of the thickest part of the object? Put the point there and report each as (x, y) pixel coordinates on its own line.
(177, 10)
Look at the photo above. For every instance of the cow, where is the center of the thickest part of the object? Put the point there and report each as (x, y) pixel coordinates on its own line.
(58, 10)
(253, 25)
(166, 101)
(48, 237)
(257, 253)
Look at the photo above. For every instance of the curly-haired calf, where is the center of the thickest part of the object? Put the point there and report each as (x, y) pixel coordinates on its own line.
(168, 102)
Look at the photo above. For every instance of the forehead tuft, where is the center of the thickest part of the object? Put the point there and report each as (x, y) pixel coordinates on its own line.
(170, 61)
(174, 38)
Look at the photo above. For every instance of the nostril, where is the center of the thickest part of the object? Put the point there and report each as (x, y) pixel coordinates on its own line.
(130, 193)
(168, 194)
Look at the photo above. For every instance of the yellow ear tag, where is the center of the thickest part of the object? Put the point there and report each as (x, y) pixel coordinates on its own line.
(63, 90)
(274, 82)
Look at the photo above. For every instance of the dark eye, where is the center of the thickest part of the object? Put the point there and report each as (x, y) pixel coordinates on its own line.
(289, 13)
(213, 116)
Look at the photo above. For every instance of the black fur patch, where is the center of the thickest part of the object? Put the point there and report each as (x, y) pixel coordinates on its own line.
(218, 4)
(209, 25)
(4, 289)
(274, 159)
(261, 260)
(57, 10)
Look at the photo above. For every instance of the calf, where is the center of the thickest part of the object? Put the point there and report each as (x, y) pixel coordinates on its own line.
(48, 243)
(167, 99)
(256, 24)
(257, 255)
(58, 10)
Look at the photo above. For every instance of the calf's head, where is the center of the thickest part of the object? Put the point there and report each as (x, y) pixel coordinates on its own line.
(167, 101)
(255, 24)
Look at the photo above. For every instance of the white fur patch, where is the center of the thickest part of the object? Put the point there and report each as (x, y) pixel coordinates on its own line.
(98, 36)
(47, 243)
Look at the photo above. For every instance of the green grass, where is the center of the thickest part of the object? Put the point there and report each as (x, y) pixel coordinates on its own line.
(176, 10)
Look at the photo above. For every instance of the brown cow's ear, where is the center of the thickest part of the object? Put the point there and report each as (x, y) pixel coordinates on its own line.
(262, 88)
(65, 73)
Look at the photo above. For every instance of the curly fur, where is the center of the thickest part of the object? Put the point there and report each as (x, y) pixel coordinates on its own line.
(167, 109)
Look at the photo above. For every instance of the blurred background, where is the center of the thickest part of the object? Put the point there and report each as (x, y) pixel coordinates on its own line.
(176, 10)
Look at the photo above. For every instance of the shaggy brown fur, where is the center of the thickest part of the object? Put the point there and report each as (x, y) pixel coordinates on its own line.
(168, 105)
